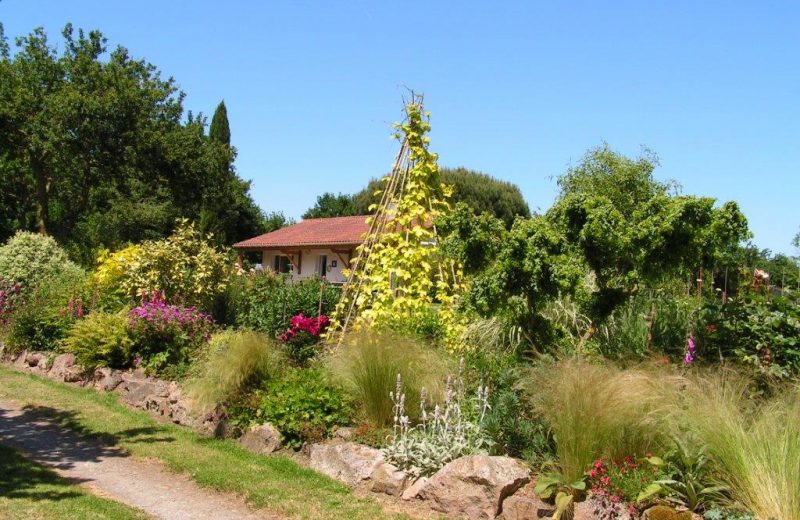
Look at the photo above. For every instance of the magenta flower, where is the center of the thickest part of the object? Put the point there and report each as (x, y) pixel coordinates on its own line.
(688, 359)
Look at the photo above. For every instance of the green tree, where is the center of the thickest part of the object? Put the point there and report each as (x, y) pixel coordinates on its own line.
(633, 231)
(331, 205)
(220, 130)
(480, 192)
(96, 152)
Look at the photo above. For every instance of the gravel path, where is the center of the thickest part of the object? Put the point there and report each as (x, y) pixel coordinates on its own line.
(110, 472)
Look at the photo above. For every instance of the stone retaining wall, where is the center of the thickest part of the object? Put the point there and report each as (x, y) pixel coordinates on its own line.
(162, 399)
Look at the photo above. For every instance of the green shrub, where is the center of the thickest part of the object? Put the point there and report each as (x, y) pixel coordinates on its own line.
(368, 364)
(267, 302)
(101, 339)
(757, 330)
(514, 431)
(301, 404)
(597, 411)
(47, 313)
(232, 363)
(30, 258)
(755, 442)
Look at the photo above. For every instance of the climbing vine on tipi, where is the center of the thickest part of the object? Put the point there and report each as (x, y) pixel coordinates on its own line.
(397, 275)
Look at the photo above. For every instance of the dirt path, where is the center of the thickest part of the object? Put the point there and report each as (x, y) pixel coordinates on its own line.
(110, 472)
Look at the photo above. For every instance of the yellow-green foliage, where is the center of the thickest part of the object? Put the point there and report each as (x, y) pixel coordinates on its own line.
(666, 513)
(100, 340)
(755, 442)
(597, 410)
(232, 361)
(406, 275)
(185, 267)
(368, 364)
(112, 267)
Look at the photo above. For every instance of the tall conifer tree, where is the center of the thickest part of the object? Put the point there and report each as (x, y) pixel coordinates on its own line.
(220, 130)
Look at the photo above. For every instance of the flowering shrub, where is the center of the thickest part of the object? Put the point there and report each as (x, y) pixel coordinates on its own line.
(166, 335)
(303, 335)
(9, 296)
(267, 303)
(43, 315)
(622, 481)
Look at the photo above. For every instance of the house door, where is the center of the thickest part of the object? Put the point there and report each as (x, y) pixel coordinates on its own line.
(323, 265)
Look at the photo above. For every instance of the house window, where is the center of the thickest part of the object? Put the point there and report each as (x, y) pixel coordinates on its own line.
(323, 266)
(282, 264)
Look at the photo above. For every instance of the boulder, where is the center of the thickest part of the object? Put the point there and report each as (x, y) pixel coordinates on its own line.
(65, 369)
(525, 507)
(146, 393)
(106, 379)
(35, 359)
(215, 423)
(414, 489)
(345, 433)
(474, 487)
(348, 462)
(262, 439)
(389, 479)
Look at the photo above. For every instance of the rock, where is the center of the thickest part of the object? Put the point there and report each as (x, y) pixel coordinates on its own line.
(65, 369)
(261, 440)
(413, 490)
(145, 392)
(344, 433)
(662, 512)
(597, 506)
(215, 423)
(18, 359)
(474, 487)
(34, 359)
(348, 462)
(518, 507)
(106, 379)
(387, 478)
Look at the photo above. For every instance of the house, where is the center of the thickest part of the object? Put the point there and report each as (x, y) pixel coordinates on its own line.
(312, 247)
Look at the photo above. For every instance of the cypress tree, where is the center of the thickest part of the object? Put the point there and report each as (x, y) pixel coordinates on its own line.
(220, 131)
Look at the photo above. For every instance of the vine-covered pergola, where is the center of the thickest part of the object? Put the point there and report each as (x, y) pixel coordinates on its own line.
(397, 273)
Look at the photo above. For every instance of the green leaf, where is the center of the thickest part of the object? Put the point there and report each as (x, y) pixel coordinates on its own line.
(650, 491)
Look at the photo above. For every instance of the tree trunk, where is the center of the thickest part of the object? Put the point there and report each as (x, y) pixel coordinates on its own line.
(42, 197)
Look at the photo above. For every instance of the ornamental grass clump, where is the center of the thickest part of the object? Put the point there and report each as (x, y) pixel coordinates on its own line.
(598, 411)
(451, 430)
(233, 362)
(368, 364)
(755, 442)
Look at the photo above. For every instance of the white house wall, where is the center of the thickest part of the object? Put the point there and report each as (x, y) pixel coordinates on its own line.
(310, 264)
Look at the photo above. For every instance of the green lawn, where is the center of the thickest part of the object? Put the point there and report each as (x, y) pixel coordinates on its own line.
(28, 490)
(275, 483)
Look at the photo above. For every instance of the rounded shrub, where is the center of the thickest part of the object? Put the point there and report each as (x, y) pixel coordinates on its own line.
(28, 258)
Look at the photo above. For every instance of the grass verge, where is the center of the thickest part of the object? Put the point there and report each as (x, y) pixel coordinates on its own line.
(274, 483)
(28, 490)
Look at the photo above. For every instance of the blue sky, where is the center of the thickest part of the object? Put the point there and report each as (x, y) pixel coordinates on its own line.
(519, 90)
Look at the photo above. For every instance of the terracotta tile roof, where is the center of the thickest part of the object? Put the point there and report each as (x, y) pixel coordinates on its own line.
(312, 232)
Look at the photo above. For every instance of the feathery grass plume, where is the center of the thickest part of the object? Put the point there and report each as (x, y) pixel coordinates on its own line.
(597, 410)
(756, 443)
(368, 364)
(234, 360)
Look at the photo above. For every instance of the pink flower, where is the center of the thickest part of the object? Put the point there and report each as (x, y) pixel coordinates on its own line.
(688, 359)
